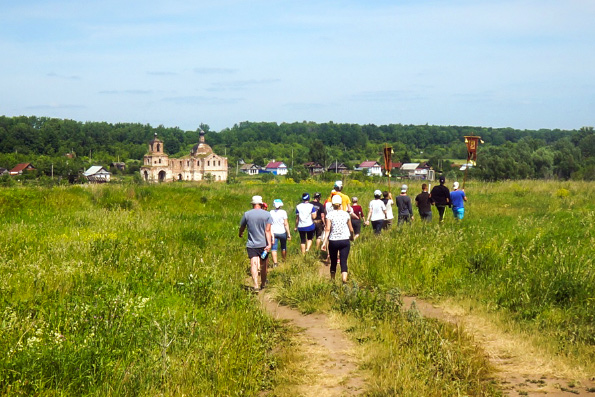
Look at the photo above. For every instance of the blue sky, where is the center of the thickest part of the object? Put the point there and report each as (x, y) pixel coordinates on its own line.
(525, 64)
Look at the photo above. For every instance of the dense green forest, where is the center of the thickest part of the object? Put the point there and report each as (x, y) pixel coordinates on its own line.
(507, 153)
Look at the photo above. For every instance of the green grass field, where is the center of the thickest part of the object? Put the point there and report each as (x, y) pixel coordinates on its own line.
(138, 290)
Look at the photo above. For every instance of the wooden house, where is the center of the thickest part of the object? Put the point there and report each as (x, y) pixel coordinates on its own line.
(19, 169)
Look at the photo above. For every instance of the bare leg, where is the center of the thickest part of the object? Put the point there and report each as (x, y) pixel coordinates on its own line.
(303, 246)
(308, 245)
(254, 262)
(274, 253)
(284, 255)
(344, 277)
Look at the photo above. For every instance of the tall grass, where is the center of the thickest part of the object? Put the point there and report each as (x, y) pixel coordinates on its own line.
(525, 248)
(127, 290)
(121, 290)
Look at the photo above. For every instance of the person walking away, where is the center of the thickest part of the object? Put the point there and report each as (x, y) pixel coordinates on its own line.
(337, 237)
(377, 212)
(280, 230)
(387, 199)
(458, 198)
(440, 195)
(404, 206)
(305, 213)
(258, 222)
(356, 221)
(345, 202)
(423, 202)
(319, 219)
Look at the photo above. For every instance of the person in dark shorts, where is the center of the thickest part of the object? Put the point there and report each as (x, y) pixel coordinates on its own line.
(258, 222)
(356, 217)
(404, 206)
(377, 212)
(440, 196)
(423, 202)
(319, 220)
(305, 213)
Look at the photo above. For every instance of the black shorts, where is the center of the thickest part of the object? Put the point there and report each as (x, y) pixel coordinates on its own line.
(319, 228)
(306, 235)
(357, 225)
(252, 252)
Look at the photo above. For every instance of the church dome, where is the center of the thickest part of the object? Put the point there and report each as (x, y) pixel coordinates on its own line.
(201, 148)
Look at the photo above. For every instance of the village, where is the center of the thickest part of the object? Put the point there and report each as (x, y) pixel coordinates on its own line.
(203, 164)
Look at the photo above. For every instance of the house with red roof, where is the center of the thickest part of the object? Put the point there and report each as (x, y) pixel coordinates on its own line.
(276, 168)
(373, 168)
(393, 167)
(20, 168)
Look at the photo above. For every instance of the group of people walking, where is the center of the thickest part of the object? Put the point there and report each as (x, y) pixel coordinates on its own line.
(335, 223)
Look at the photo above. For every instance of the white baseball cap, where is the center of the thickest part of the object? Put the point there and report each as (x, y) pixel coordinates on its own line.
(337, 199)
(377, 192)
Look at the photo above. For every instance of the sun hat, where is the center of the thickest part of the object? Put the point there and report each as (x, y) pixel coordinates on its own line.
(403, 188)
(306, 196)
(354, 199)
(455, 185)
(337, 199)
(256, 199)
(278, 203)
(377, 192)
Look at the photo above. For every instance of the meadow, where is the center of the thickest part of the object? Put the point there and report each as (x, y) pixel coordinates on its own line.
(138, 290)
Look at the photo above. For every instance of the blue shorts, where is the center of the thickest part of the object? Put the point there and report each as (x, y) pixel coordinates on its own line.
(459, 213)
(280, 239)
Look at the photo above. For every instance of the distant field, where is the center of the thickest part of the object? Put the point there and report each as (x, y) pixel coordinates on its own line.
(128, 290)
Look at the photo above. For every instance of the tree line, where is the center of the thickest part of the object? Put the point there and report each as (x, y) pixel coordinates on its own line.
(507, 153)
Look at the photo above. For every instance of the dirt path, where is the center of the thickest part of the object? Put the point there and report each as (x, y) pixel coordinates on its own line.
(522, 369)
(327, 354)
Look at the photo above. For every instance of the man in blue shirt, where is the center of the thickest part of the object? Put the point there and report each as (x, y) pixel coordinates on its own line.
(458, 198)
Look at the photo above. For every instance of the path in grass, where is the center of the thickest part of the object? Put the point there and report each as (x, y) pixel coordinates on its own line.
(522, 369)
(326, 356)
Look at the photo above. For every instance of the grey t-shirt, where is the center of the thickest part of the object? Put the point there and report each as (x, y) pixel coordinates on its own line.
(404, 205)
(256, 220)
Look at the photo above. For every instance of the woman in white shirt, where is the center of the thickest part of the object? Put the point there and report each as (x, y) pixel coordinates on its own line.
(377, 212)
(337, 237)
(280, 231)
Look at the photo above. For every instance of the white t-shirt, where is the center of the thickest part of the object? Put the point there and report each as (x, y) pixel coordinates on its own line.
(339, 227)
(389, 209)
(304, 211)
(377, 209)
(279, 216)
